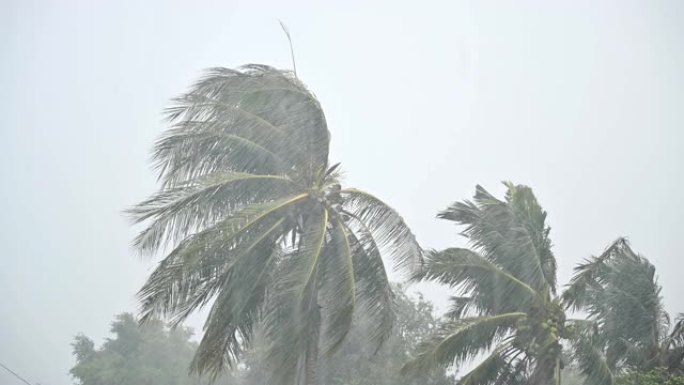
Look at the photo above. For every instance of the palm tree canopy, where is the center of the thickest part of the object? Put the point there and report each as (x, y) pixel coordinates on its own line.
(619, 292)
(253, 220)
(505, 305)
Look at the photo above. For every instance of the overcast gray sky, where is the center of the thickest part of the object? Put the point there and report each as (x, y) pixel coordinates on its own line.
(581, 100)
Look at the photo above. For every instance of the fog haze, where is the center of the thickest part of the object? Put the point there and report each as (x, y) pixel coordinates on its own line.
(580, 100)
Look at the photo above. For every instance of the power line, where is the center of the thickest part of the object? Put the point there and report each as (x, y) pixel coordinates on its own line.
(15, 374)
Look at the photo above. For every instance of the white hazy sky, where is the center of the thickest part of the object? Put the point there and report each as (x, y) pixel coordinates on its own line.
(581, 100)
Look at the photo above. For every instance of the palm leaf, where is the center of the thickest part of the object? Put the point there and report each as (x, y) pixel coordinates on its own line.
(263, 105)
(387, 227)
(462, 339)
(374, 291)
(506, 236)
(489, 288)
(190, 274)
(339, 288)
(200, 203)
(489, 370)
(233, 317)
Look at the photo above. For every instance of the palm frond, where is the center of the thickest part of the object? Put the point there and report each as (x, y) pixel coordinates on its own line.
(387, 227)
(291, 325)
(194, 148)
(260, 104)
(463, 339)
(200, 203)
(514, 239)
(676, 337)
(339, 288)
(490, 288)
(498, 364)
(300, 279)
(374, 292)
(533, 217)
(589, 274)
(619, 291)
(189, 276)
(591, 361)
(235, 313)
(459, 307)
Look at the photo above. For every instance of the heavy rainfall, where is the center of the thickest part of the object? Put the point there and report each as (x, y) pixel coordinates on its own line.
(341, 193)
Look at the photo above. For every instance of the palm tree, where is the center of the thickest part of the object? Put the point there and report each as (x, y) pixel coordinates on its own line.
(254, 222)
(508, 309)
(506, 303)
(627, 321)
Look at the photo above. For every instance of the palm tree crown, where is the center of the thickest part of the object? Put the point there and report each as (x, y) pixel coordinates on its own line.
(506, 304)
(252, 216)
(508, 311)
(627, 321)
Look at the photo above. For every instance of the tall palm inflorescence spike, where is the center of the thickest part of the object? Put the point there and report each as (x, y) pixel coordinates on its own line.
(254, 222)
(507, 309)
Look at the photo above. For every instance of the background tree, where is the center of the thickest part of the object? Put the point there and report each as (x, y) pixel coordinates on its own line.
(147, 355)
(153, 354)
(257, 222)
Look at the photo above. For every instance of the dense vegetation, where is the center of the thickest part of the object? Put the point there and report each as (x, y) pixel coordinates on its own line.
(157, 355)
(255, 223)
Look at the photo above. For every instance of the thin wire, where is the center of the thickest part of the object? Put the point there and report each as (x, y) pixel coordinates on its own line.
(287, 33)
(15, 374)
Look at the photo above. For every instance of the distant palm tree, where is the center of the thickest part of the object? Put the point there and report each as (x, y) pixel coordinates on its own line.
(627, 320)
(508, 309)
(252, 216)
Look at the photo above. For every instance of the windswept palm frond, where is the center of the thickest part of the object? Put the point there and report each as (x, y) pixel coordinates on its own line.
(256, 104)
(500, 363)
(619, 291)
(339, 295)
(386, 226)
(200, 203)
(592, 272)
(489, 288)
(511, 233)
(592, 362)
(374, 291)
(463, 339)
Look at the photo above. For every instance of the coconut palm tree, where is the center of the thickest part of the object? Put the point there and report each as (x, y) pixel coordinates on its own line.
(506, 303)
(255, 224)
(509, 312)
(627, 321)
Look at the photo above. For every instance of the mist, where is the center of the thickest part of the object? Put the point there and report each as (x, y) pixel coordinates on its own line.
(423, 101)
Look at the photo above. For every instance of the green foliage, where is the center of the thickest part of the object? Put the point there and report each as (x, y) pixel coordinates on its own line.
(507, 307)
(150, 355)
(658, 376)
(627, 323)
(155, 355)
(259, 227)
